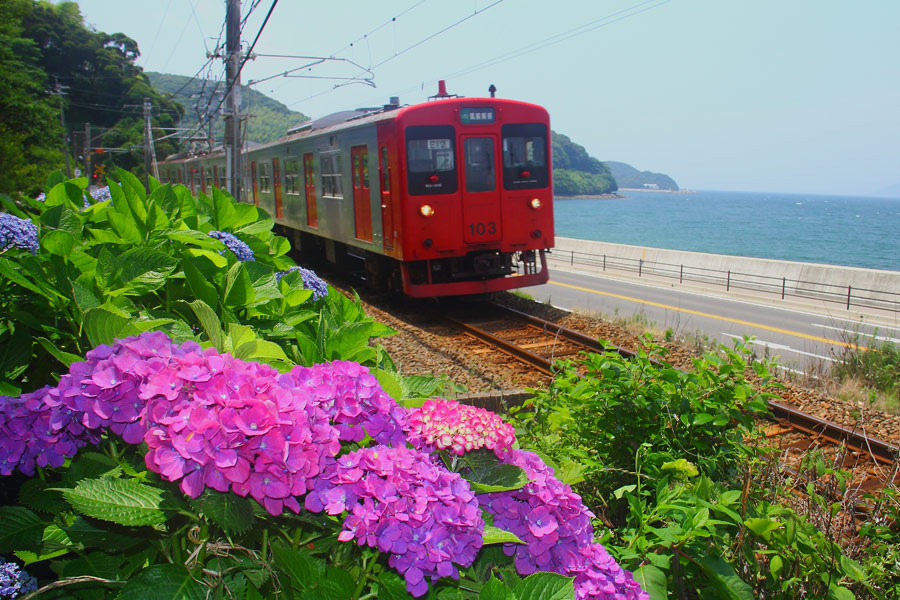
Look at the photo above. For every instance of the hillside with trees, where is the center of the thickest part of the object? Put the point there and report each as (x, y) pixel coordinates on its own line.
(270, 121)
(52, 61)
(575, 172)
(629, 177)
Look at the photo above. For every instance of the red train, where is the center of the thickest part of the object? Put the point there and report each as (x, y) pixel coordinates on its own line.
(452, 196)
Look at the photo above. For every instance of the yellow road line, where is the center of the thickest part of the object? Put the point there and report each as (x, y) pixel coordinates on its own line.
(814, 338)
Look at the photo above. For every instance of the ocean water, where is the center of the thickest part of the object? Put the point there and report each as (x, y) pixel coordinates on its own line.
(839, 230)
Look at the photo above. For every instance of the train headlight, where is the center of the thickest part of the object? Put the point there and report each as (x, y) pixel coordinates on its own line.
(536, 203)
(426, 210)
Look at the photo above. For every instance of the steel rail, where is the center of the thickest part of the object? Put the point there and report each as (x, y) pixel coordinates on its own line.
(880, 450)
(538, 362)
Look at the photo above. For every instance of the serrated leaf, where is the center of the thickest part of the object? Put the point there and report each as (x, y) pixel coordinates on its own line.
(762, 526)
(210, 323)
(726, 582)
(66, 358)
(546, 586)
(231, 512)
(20, 529)
(163, 582)
(495, 535)
(34, 494)
(495, 589)
(95, 564)
(145, 269)
(390, 383)
(122, 501)
(652, 581)
(299, 565)
(88, 535)
(58, 242)
(497, 478)
(103, 326)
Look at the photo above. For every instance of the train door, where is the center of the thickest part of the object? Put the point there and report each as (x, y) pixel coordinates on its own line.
(255, 183)
(276, 184)
(387, 214)
(309, 182)
(362, 209)
(480, 190)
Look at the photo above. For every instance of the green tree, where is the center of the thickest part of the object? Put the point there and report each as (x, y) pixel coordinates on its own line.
(105, 86)
(30, 133)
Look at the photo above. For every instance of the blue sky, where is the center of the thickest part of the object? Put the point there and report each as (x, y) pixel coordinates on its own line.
(770, 95)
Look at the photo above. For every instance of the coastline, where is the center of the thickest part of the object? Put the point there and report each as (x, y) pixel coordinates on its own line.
(682, 191)
(612, 196)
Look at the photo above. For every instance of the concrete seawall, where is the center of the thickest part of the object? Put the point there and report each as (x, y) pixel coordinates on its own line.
(869, 288)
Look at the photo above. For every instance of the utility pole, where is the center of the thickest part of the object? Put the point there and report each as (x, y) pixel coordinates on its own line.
(62, 120)
(87, 152)
(147, 144)
(233, 143)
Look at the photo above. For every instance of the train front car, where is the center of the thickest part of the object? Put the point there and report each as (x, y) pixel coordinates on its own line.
(477, 212)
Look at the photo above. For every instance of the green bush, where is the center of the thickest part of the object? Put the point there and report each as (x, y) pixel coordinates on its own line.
(141, 262)
(672, 464)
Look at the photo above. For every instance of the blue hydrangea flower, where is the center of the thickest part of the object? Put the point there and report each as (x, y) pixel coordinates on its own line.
(101, 194)
(21, 233)
(311, 281)
(41, 197)
(241, 250)
(14, 581)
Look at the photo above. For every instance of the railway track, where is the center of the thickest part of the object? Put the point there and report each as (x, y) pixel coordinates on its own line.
(536, 344)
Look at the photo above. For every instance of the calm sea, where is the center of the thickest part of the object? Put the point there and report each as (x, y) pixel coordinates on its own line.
(839, 230)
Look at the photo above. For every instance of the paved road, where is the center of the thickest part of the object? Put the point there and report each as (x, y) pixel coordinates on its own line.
(799, 339)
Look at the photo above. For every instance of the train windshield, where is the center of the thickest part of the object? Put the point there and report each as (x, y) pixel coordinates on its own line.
(431, 159)
(525, 164)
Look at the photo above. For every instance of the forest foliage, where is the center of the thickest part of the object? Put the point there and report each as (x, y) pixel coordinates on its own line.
(629, 177)
(47, 49)
(575, 172)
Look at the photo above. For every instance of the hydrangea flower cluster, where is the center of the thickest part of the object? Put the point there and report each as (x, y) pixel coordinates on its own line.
(457, 428)
(353, 400)
(241, 250)
(311, 281)
(41, 197)
(213, 421)
(423, 516)
(101, 194)
(219, 422)
(21, 233)
(556, 528)
(14, 581)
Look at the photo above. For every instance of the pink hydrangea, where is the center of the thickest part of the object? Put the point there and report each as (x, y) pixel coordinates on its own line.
(458, 428)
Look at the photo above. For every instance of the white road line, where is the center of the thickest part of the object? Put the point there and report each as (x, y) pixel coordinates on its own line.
(881, 338)
(774, 346)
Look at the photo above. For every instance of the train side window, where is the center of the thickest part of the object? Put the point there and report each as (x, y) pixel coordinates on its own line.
(525, 164)
(431, 159)
(331, 176)
(265, 177)
(292, 176)
(385, 177)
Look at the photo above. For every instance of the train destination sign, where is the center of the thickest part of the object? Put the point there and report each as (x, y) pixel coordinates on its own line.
(473, 115)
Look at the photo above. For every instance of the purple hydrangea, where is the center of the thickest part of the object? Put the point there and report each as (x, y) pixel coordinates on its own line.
(241, 250)
(21, 233)
(311, 281)
(424, 517)
(15, 581)
(353, 400)
(556, 528)
(41, 197)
